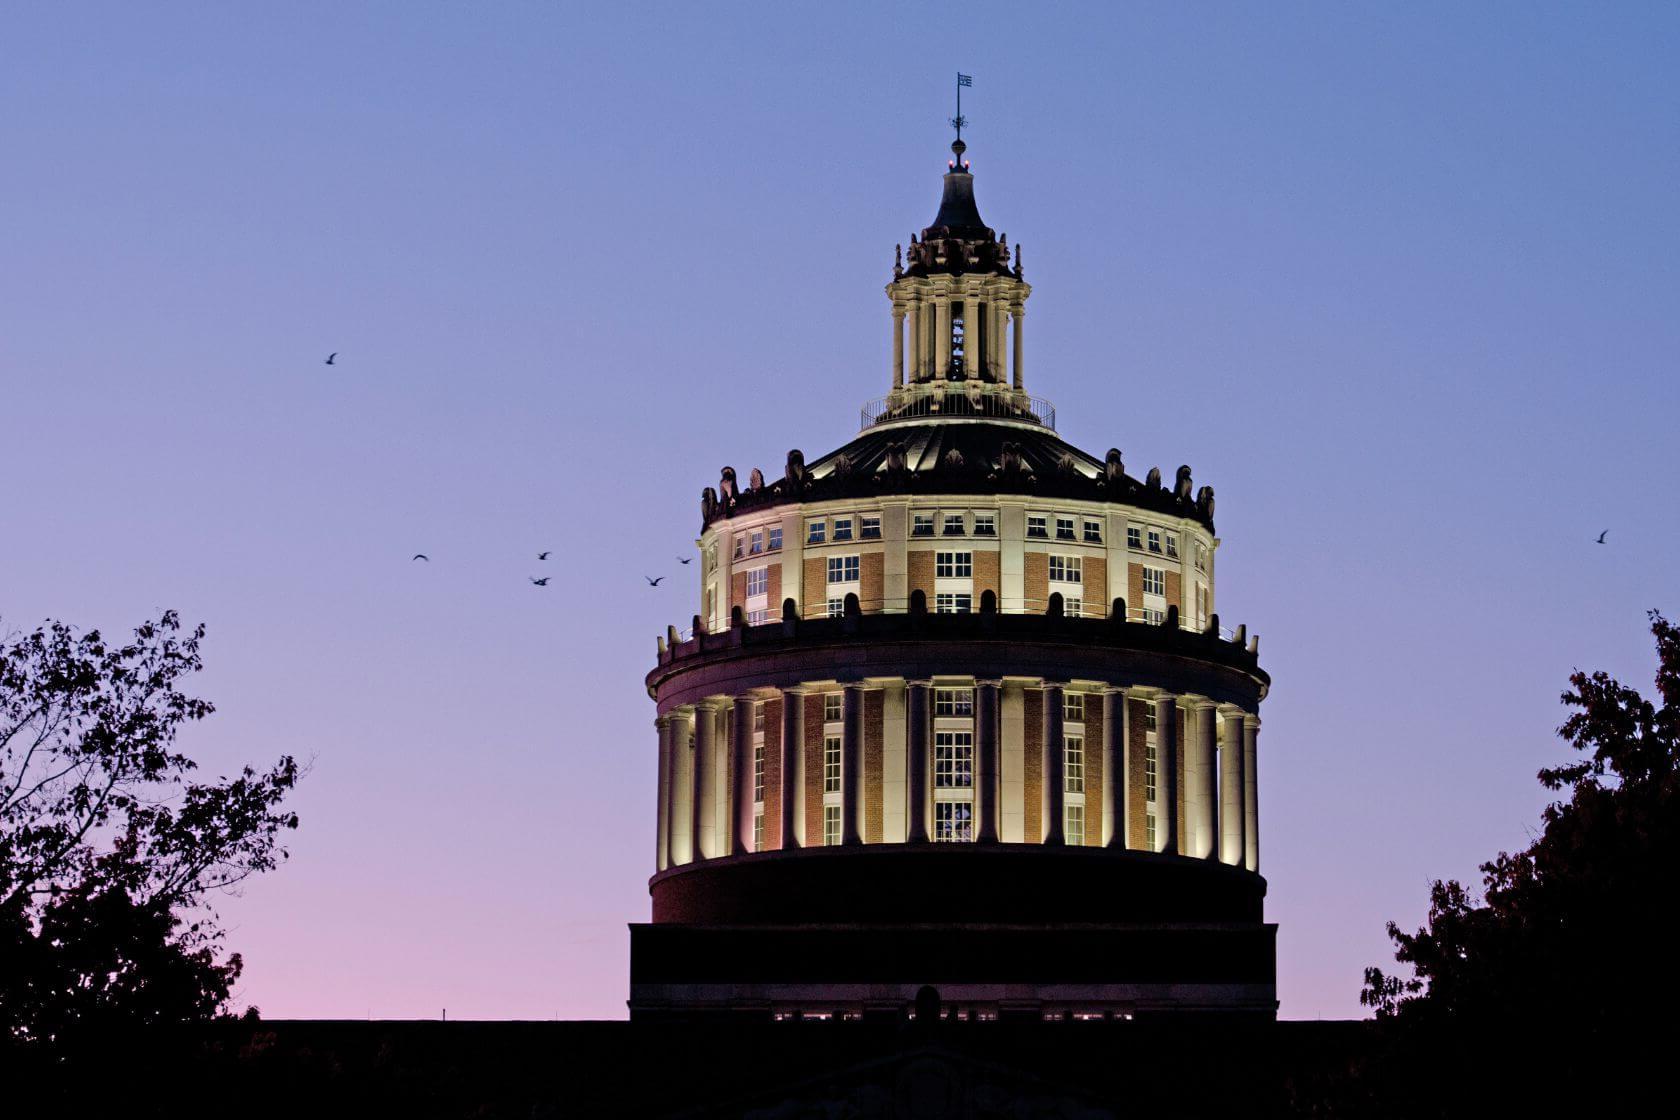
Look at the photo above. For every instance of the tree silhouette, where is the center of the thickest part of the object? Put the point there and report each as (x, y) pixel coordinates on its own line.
(108, 849)
(1538, 994)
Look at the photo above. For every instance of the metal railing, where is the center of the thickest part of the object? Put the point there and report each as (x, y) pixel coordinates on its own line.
(989, 402)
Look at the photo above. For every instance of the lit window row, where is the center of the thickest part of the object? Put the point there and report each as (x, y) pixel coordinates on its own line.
(1068, 528)
(1151, 538)
(841, 528)
(754, 543)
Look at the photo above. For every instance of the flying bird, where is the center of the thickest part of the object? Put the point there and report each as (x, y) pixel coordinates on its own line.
(542, 556)
(331, 356)
(1601, 536)
(652, 581)
(421, 556)
(543, 582)
(685, 559)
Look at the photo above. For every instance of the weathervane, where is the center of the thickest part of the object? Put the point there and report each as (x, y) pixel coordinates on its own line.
(958, 121)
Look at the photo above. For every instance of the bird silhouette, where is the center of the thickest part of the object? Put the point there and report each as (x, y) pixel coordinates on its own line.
(1602, 535)
(685, 559)
(542, 556)
(421, 556)
(331, 356)
(543, 582)
(653, 582)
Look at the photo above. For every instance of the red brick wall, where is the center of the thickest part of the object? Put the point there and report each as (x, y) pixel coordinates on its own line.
(986, 576)
(870, 581)
(772, 774)
(775, 597)
(813, 602)
(1181, 727)
(1138, 745)
(1134, 588)
(874, 767)
(919, 574)
(1093, 769)
(1175, 591)
(1035, 567)
(738, 590)
(1032, 770)
(813, 769)
(1096, 595)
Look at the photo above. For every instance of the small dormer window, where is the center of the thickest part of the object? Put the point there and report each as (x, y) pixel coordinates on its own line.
(985, 524)
(757, 545)
(842, 528)
(921, 525)
(870, 529)
(740, 545)
(1038, 526)
(1134, 537)
(1093, 532)
(776, 539)
(1172, 544)
(1064, 528)
(1154, 540)
(817, 532)
(953, 525)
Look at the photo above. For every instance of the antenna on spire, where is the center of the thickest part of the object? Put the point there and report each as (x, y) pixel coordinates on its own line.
(958, 121)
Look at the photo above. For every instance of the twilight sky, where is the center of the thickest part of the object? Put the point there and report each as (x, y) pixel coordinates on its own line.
(1400, 284)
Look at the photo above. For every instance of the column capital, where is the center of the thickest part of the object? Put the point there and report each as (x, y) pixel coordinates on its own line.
(988, 682)
(919, 683)
(1199, 703)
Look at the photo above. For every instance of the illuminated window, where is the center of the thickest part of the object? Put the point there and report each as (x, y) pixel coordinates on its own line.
(758, 771)
(1064, 569)
(1148, 717)
(953, 525)
(836, 608)
(1154, 581)
(953, 602)
(953, 821)
(816, 532)
(953, 701)
(1149, 841)
(1153, 617)
(1073, 768)
(831, 707)
(831, 764)
(758, 617)
(1151, 768)
(953, 565)
(921, 525)
(740, 545)
(842, 569)
(870, 529)
(1073, 707)
(1093, 532)
(953, 760)
(758, 718)
(842, 528)
(1073, 606)
(1172, 544)
(776, 539)
(985, 524)
(758, 832)
(1064, 528)
(757, 543)
(1154, 540)
(1076, 824)
(758, 581)
(831, 828)
(1036, 525)
(1134, 537)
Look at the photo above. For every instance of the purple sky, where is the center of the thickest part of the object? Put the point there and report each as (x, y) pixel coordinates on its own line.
(1399, 284)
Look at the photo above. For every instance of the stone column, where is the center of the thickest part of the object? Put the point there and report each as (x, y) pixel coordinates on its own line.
(681, 833)
(942, 339)
(1116, 806)
(705, 731)
(1020, 316)
(741, 838)
(1206, 782)
(1251, 791)
(988, 790)
(662, 838)
(898, 346)
(793, 742)
(1166, 771)
(916, 739)
(1231, 794)
(1055, 757)
(851, 760)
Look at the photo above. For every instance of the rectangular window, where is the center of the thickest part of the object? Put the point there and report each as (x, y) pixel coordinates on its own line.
(947, 602)
(776, 539)
(1076, 824)
(953, 701)
(870, 529)
(816, 532)
(985, 524)
(1073, 768)
(1149, 842)
(758, 832)
(1064, 569)
(1064, 528)
(740, 545)
(1172, 544)
(953, 565)
(758, 718)
(1201, 557)
(921, 525)
(836, 608)
(953, 760)
(758, 581)
(1134, 537)
(1154, 581)
(757, 543)
(1150, 772)
(831, 825)
(1093, 532)
(1072, 606)
(758, 771)
(1153, 617)
(1154, 540)
(1036, 523)
(953, 821)
(953, 525)
(831, 764)
(842, 528)
(758, 617)
(831, 707)
(842, 569)
(1073, 707)
(1149, 717)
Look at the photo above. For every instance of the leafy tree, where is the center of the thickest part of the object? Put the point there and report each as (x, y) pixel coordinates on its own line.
(108, 847)
(1539, 992)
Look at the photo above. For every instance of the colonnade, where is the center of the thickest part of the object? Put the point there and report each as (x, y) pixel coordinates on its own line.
(1206, 804)
(928, 320)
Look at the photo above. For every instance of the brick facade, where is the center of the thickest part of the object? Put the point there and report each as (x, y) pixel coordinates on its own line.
(813, 603)
(1096, 591)
(738, 589)
(774, 577)
(987, 576)
(1175, 591)
(813, 769)
(870, 581)
(772, 774)
(1032, 765)
(1035, 581)
(919, 573)
(1093, 769)
(874, 766)
(1137, 770)
(1183, 725)
(1134, 587)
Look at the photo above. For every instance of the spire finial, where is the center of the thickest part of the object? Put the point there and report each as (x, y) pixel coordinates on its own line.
(959, 121)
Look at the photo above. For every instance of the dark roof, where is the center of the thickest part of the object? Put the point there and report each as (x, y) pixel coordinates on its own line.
(946, 456)
(958, 241)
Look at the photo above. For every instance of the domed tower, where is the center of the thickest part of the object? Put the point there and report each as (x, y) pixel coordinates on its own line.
(956, 710)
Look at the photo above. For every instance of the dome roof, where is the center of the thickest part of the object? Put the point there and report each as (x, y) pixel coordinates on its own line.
(958, 241)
